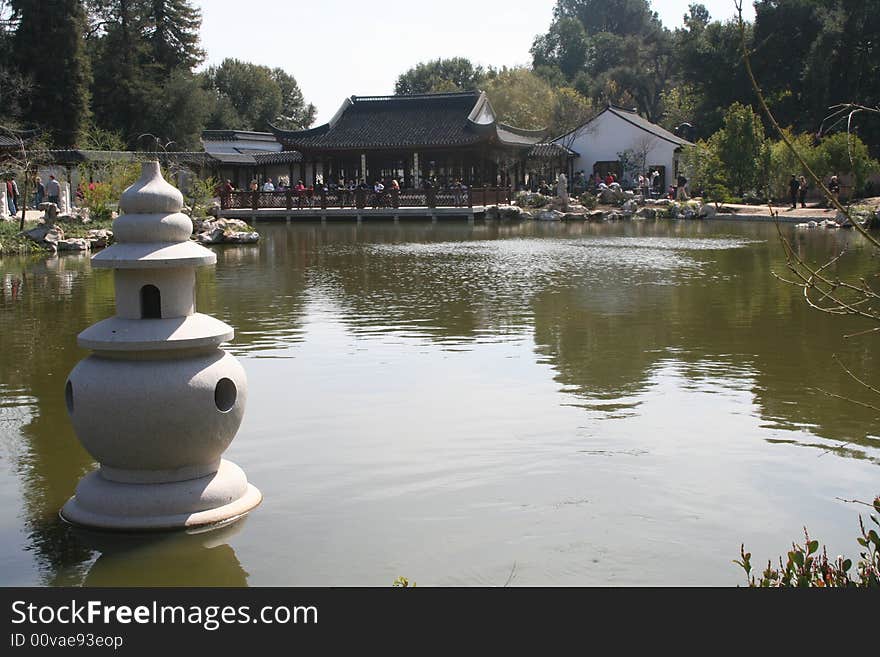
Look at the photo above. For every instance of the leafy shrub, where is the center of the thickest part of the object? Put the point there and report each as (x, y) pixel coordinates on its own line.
(715, 193)
(531, 200)
(201, 194)
(97, 198)
(805, 567)
(589, 201)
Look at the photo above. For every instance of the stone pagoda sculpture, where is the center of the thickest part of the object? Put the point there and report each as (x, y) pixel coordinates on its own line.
(158, 402)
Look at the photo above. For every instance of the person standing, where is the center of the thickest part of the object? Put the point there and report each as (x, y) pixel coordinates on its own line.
(53, 191)
(10, 196)
(379, 191)
(793, 187)
(39, 192)
(681, 191)
(834, 187)
(456, 193)
(802, 191)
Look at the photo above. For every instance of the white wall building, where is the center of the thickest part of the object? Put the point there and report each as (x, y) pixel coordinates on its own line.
(601, 141)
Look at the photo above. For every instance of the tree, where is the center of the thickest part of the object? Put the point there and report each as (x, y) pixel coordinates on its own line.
(49, 50)
(739, 144)
(172, 31)
(570, 113)
(679, 105)
(564, 48)
(256, 97)
(621, 17)
(706, 62)
(182, 111)
(15, 88)
(521, 98)
(295, 114)
(453, 74)
(126, 83)
(612, 51)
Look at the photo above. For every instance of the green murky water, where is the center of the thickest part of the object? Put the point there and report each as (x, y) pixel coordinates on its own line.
(467, 405)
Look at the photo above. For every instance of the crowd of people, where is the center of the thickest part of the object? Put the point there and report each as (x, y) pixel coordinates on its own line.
(41, 192)
(384, 192)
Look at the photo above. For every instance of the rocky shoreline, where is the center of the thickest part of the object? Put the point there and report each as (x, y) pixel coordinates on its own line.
(57, 232)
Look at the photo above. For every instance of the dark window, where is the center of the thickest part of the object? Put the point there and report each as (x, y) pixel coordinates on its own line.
(151, 302)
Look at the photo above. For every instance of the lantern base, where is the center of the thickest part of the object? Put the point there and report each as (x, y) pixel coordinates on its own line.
(218, 498)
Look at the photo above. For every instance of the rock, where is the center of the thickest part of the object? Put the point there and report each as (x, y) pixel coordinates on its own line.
(212, 236)
(689, 213)
(831, 224)
(46, 235)
(525, 215)
(549, 215)
(99, 238)
(74, 244)
(558, 203)
(509, 211)
(630, 206)
(241, 238)
(707, 211)
(647, 213)
(596, 215)
(50, 213)
(661, 201)
(573, 216)
(614, 216)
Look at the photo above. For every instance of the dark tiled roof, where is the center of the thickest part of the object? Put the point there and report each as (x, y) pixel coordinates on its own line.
(550, 151)
(13, 138)
(197, 158)
(369, 122)
(194, 158)
(282, 157)
(236, 135)
(234, 158)
(512, 136)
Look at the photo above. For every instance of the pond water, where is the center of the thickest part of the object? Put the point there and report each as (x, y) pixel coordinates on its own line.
(481, 404)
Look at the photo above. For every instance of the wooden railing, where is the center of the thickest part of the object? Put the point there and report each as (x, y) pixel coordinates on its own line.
(362, 198)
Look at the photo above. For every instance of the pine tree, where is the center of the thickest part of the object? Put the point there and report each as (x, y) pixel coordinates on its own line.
(50, 52)
(173, 34)
(124, 88)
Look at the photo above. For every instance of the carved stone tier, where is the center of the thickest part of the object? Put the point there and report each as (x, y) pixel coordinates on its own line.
(158, 402)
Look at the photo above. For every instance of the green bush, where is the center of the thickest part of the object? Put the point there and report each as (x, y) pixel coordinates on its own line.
(201, 194)
(97, 198)
(805, 567)
(531, 200)
(589, 201)
(841, 153)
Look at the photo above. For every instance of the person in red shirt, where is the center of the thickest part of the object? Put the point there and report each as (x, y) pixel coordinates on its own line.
(300, 190)
(609, 179)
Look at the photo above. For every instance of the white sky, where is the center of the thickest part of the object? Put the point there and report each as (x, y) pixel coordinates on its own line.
(336, 48)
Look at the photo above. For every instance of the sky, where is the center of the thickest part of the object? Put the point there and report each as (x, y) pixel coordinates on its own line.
(336, 48)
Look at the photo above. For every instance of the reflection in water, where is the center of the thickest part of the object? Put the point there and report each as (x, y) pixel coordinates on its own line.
(409, 378)
(194, 558)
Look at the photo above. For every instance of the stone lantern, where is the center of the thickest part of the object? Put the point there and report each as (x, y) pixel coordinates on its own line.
(158, 402)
